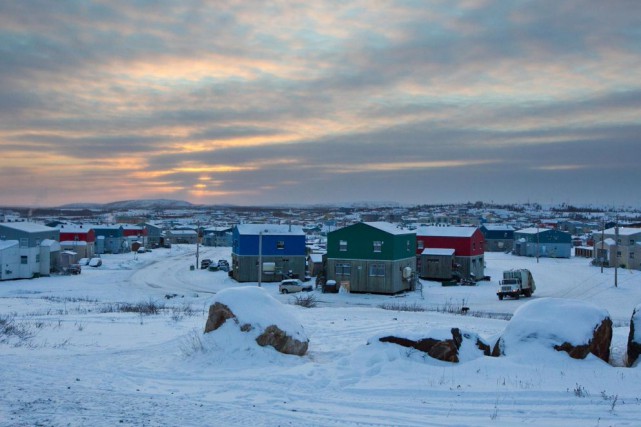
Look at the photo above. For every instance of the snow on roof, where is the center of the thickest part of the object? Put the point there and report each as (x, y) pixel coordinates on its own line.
(316, 257)
(498, 227)
(388, 227)
(223, 228)
(132, 227)
(73, 243)
(54, 245)
(29, 227)
(282, 229)
(437, 251)
(434, 231)
(75, 228)
(8, 243)
(183, 232)
(532, 230)
(609, 241)
(624, 231)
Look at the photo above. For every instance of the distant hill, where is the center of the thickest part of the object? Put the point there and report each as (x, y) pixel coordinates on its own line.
(133, 204)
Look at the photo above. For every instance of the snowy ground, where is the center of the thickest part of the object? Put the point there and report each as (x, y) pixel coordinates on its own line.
(74, 358)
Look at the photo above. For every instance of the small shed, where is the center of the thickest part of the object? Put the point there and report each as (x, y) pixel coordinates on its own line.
(437, 264)
(314, 263)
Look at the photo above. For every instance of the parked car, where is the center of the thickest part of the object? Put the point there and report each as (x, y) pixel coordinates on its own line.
(223, 265)
(83, 261)
(141, 250)
(205, 263)
(74, 269)
(293, 285)
(95, 262)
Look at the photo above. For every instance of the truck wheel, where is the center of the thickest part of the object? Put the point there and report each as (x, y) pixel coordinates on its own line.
(528, 292)
(501, 297)
(517, 296)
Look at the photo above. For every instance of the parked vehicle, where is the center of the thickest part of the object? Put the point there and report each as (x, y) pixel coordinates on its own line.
(205, 263)
(74, 269)
(95, 262)
(515, 283)
(223, 265)
(293, 285)
(83, 261)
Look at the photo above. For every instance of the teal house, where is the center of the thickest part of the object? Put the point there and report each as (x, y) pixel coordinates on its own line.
(372, 257)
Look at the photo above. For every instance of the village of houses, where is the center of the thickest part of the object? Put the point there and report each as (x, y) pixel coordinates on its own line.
(382, 250)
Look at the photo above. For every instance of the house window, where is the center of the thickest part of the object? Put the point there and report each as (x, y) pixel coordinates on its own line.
(342, 246)
(24, 259)
(378, 245)
(419, 244)
(37, 257)
(618, 254)
(473, 245)
(280, 244)
(377, 270)
(343, 269)
(407, 246)
(631, 255)
(24, 243)
(631, 242)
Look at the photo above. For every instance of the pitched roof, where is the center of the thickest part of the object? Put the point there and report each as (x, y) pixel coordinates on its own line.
(29, 227)
(434, 231)
(624, 231)
(8, 243)
(498, 227)
(277, 229)
(388, 227)
(437, 251)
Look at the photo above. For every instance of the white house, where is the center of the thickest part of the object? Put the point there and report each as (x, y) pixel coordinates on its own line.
(9, 259)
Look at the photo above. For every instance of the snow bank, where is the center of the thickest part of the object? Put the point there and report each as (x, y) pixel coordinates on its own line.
(465, 344)
(550, 322)
(636, 320)
(257, 307)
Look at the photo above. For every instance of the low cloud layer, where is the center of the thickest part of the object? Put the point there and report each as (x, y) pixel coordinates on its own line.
(299, 102)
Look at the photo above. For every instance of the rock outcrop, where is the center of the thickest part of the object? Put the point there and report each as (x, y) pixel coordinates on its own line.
(250, 302)
(634, 338)
(218, 314)
(446, 349)
(575, 327)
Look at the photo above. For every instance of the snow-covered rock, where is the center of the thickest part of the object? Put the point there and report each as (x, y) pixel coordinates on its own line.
(634, 338)
(256, 312)
(576, 327)
(451, 345)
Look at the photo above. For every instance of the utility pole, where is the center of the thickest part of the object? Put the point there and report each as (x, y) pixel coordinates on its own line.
(602, 243)
(616, 251)
(260, 257)
(538, 241)
(197, 242)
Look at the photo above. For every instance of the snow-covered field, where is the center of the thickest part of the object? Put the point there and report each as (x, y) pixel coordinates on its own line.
(70, 355)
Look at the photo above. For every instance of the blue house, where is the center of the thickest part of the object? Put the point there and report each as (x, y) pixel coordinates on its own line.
(542, 242)
(110, 239)
(498, 237)
(280, 247)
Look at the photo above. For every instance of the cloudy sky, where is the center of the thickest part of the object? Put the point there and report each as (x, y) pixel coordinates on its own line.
(254, 103)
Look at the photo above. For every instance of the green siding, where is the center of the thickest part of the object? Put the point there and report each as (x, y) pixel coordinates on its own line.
(360, 240)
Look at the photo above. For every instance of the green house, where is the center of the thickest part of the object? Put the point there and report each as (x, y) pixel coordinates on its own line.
(373, 257)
